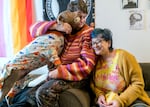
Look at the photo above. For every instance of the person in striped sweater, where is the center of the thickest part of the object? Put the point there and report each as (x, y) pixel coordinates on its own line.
(77, 57)
(44, 49)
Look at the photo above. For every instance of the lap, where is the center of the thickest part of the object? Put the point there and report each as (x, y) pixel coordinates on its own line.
(27, 96)
(48, 94)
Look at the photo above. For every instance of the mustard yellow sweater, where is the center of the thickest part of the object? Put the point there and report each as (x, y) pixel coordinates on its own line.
(134, 84)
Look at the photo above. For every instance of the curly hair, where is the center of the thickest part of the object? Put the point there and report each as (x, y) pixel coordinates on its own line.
(78, 5)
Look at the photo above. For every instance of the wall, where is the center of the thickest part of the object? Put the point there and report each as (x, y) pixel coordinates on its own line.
(109, 14)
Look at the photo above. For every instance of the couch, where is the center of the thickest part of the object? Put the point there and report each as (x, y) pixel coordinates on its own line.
(146, 74)
(80, 98)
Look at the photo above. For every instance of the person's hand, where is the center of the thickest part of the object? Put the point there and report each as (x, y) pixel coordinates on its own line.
(54, 70)
(51, 66)
(113, 103)
(101, 101)
(64, 27)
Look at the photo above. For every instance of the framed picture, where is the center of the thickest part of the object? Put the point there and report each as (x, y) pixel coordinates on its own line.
(136, 20)
(51, 8)
(129, 4)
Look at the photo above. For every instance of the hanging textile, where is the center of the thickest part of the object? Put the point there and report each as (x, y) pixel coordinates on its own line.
(2, 39)
(16, 18)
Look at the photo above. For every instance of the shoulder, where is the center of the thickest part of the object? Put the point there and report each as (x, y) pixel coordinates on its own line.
(123, 52)
(87, 29)
(125, 55)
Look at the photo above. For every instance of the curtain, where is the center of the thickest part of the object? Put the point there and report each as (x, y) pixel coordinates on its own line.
(17, 16)
(2, 43)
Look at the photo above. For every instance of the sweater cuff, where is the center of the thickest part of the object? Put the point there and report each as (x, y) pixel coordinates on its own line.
(47, 26)
(119, 100)
(57, 62)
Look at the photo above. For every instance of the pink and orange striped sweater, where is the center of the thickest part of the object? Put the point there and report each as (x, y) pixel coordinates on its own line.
(78, 58)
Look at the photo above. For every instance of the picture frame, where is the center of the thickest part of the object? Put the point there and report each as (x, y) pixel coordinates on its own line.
(130, 4)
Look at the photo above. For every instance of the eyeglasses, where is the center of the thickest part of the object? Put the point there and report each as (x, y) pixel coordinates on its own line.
(99, 41)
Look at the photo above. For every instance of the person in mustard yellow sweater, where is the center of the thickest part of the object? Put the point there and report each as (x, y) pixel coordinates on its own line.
(117, 79)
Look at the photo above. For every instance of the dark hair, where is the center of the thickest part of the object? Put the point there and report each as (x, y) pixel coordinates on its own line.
(77, 5)
(106, 34)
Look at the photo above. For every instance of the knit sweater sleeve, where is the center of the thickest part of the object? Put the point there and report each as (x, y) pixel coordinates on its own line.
(40, 28)
(82, 66)
(133, 77)
(96, 90)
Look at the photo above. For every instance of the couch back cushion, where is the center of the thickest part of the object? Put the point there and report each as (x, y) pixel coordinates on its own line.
(146, 74)
(74, 98)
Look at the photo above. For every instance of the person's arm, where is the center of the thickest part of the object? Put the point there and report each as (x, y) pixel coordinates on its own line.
(81, 67)
(100, 95)
(133, 77)
(42, 27)
(96, 91)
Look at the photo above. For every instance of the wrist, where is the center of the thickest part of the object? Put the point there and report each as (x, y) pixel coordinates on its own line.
(53, 25)
(57, 62)
(59, 26)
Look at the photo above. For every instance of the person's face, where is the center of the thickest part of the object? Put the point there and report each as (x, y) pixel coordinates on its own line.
(82, 21)
(100, 46)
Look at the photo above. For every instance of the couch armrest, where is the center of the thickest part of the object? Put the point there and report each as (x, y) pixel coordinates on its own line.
(74, 98)
(146, 74)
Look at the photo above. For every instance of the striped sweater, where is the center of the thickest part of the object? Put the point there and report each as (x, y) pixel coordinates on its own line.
(78, 58)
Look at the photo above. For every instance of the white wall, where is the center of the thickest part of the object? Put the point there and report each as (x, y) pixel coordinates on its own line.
(109, 14)
(37, 10)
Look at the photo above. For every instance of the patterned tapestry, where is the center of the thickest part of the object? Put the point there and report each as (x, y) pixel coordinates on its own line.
(50, 7)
